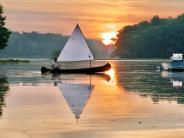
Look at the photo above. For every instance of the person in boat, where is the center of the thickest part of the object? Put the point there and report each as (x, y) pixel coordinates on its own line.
(54, 64)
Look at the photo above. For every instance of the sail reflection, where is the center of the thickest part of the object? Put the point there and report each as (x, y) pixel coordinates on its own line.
(77, 92)
(76, 96)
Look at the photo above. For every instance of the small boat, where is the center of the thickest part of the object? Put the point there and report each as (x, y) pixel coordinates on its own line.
(91, 70)
(76, 49)
(176, 63)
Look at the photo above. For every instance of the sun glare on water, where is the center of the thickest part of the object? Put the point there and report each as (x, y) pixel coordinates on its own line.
(107, 38)
(111, 73)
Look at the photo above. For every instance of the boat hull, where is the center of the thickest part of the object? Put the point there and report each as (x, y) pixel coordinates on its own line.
(174, 66)
(91, 70)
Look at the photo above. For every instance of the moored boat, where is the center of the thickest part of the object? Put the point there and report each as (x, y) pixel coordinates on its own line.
(176, 63)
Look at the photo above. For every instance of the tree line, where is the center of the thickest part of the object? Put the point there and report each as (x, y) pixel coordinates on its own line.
(4, 32)
(48, 45)
(157, 38)
(33, 45)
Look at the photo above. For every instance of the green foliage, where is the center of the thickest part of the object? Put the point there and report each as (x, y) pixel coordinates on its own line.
(10, 61)
(33, 45)
(4, 32)
(158, 38)
(155, 20)
(3, 84)
(3, 89)
(55, 53)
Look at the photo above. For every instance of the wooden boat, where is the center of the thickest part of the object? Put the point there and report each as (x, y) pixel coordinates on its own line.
(91, 70)
(76, 49)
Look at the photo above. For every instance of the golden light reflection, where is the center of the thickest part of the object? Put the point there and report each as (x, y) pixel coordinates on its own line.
(111, 73)
(107, 38)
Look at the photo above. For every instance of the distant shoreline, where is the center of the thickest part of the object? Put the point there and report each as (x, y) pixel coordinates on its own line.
(27, 60)
(11, 60)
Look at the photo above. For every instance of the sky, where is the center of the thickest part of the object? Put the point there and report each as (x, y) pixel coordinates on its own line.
(96, 17)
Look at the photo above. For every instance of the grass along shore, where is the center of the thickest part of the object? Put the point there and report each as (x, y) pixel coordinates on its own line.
(11, 60)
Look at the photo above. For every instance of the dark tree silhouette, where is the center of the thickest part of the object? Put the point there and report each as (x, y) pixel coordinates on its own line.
(4, 32)
(3, 89)
(155, 20)
(158, 38)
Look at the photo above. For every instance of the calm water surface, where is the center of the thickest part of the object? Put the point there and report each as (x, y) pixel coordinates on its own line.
(130, 100)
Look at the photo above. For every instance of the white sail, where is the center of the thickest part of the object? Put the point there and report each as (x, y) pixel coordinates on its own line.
(76, 48)
(76, 96)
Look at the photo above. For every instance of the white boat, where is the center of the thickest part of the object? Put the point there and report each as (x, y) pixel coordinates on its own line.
(176, 63)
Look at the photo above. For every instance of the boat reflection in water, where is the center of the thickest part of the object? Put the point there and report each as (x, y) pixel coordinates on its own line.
(3, 89)
(76, 96)
(176, 78)
(141, 78)
(77, 92)
(177, 84)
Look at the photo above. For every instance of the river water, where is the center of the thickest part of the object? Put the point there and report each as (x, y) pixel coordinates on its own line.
(133, 99)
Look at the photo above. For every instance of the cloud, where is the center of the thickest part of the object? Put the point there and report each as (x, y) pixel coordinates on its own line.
(95, 16)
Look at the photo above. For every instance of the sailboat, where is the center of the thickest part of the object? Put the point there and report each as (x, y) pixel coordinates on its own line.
(76, 49)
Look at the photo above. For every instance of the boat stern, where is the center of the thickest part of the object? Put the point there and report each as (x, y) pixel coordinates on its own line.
(165, 66)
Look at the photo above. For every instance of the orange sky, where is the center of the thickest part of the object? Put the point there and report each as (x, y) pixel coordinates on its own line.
(94, 16)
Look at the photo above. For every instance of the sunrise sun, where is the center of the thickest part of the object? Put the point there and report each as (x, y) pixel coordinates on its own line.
(107, 38)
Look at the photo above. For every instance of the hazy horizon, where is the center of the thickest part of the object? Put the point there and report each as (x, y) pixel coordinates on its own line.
(96, 17)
